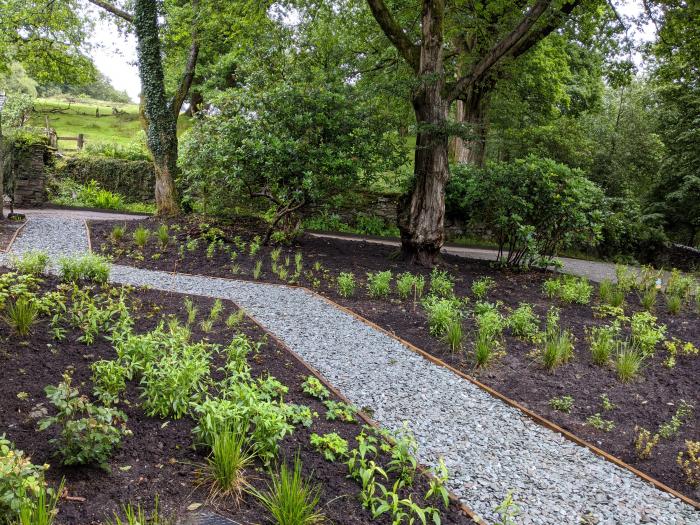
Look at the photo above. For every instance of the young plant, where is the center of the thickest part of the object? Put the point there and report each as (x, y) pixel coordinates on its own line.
(602, 340)
(289, 498)
(648, 299)
(644, 442)
(42, 511)
(224, 470)
(191, 310)
(87, 433)
(674, 304)
(234, 319)
(683, 413)
(626, 279)
(453, 335)
(141, 236)
(486, 348)
(163, 235)
(597, 421)
(523, 322)
(138, 516)
(569, 289)
(117, 233)
(257, 270)
(405, 285)
(346, 284)
(606, 403)
(331, 445)
(109, 378)
(646, 334)
(441, 314)
(680, 285)
(315, 388)
(689, 462)
(379, 283)
(558, 346)
(562, 404)
(21, 315)
(481, 287)
(33, 262)
(628, 361)
(441, 284)
(216, 309)
(508, 510)
(605, 290)
(339, 411)
(20, 481)
(87, 267)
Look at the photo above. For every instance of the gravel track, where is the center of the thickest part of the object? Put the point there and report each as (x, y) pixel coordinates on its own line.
(489, 447)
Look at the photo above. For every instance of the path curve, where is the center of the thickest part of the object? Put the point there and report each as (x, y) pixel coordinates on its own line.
(490, 447)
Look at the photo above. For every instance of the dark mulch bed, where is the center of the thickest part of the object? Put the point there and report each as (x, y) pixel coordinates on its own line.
(159, 458)
(646, 402)
(8, 229)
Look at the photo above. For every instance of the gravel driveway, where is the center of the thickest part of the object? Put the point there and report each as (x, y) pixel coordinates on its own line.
(489, 447)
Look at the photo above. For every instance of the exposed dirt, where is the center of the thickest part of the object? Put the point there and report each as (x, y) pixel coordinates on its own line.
(646, 402)
(159, 458)
(8, 229)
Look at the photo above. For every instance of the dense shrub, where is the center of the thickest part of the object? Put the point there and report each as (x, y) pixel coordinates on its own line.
(533, 206)
(285, 148)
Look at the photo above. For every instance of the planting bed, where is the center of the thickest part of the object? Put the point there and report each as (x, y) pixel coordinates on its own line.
(8, 230)
(159, 459)
(648, 401)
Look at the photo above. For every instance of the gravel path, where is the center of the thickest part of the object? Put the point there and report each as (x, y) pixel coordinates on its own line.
(489, 447)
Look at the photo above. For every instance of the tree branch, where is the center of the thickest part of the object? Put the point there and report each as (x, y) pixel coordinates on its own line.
(500, 49)
(188, 76)
(113, 9)
(393, 31)
(534, 37)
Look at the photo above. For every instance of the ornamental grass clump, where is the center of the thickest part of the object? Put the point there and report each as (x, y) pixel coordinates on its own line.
(628, 361)
(674, 304)
(289, 498)
(453, 336)
(557, 345)
(21, 315)
(225, 469)
(141, 236)
(163, 235)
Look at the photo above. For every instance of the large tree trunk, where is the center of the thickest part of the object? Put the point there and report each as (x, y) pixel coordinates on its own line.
(472, 113)
(421, 212)
(161, 129)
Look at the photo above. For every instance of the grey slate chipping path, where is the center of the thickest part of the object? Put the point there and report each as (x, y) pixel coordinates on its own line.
(489, 447)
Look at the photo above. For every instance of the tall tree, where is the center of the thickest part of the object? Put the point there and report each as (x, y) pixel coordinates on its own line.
(455, 55)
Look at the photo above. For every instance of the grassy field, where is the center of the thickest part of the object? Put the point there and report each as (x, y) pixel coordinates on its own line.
(70, 119)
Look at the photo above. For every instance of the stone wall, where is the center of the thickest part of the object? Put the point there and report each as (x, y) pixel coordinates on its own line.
(29, 170)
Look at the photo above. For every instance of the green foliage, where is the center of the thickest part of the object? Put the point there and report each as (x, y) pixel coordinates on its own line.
(339, 411)
(32, 262)
(569, 289)
(87, 267)
(485, 349)
(67, 192)
(535, 207)
(562, 404)
(442, 313)
(674, 304)
(42, 511)
(87, 433)
(289, 498)
(117, 233)
(300, 415)
(138, 516)
(346, 284)
(603, 341)
(331, 445)
(20, 480)
(481, 287)
(441, 284)
(523, 322)
(453, 335)
(680, 285)
(224, 470)
(628, 361)
(596, 421)
(141, 236)
(646, 334)
(379, 283)
(315, 388)
(408, 284)
(163, 235)
(648, 299)
(683, 414)
(109, 378)
(21, 315)
(557, 345)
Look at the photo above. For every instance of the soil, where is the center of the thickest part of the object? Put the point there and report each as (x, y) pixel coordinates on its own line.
(647, 402)
(8, 229)
(159, 459)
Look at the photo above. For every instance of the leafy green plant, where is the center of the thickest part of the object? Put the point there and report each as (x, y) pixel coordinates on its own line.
(508, 510)
(257, 270)
(216, 309)
(346, 284)
(289, 498)
(602, 340)
(20, 481)
(117, 233)
(441, 284)
(606, 403)
(626, 279)
(523, 322)
(646, 334)
(689, 462)
(235, 318)
(597, 421)
(481, 287)
(87, 433)
(32, 262)
(408, 284)
(141, 236)
(339, 411)
(569, 289)
(315, 388)
(644, 442)
(300, 414)
(680, 285)
(42, 511)
(674, 304)
(163, 235)
(88, 267)
(379, 283)
(109, 378)
(191, 310)
(437, 482)
(224, 470)
(442, 313)
(21, 315)
(648, 299)
(331, 445)
(562, 404)
(628, 361)
(683, 413)
(611, 294)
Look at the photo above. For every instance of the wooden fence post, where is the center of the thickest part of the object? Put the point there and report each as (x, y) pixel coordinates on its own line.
(81, 140)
